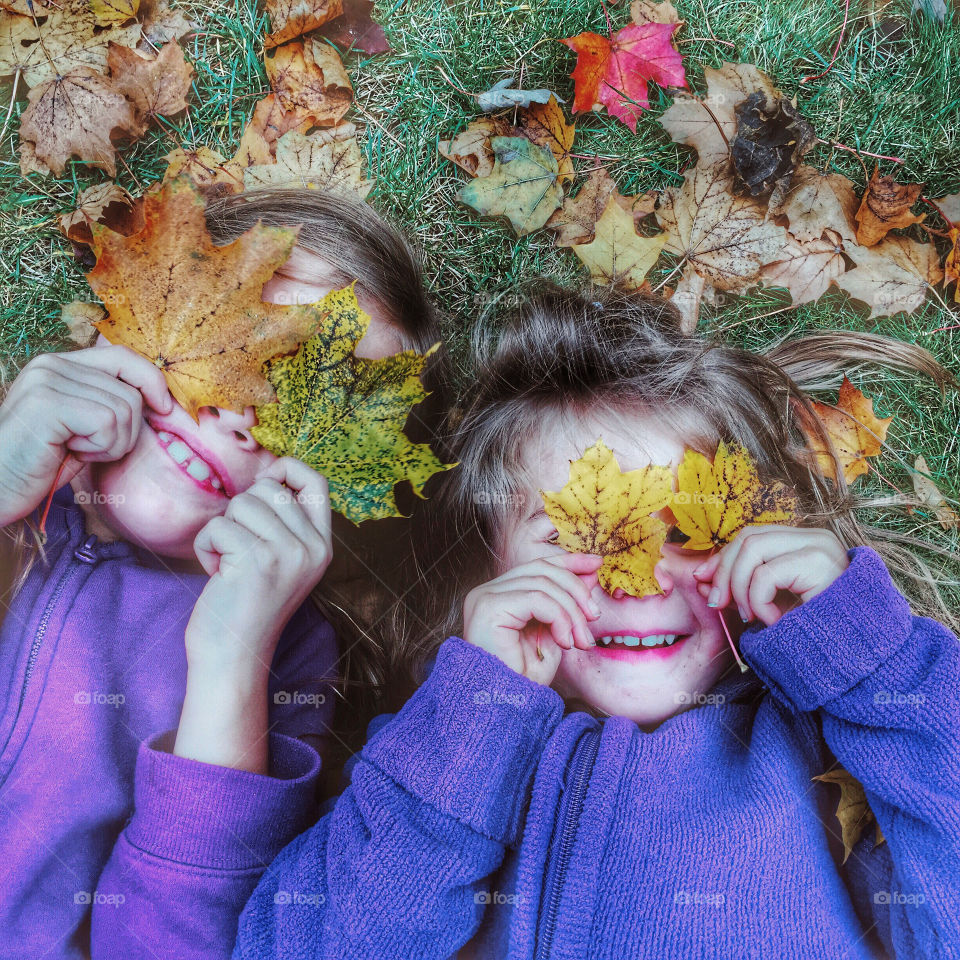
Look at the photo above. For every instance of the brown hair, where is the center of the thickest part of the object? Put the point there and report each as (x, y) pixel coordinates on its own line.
(566, 353)
(360, 591)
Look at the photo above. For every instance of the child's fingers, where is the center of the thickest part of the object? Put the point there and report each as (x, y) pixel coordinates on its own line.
(545, 585)
(762, 543)
(218, 537)
(577, 573)
(546, 609)
(259, 517)
(575, 595)
(283, 502)
(778, 574)
(311, 491)
(124, 364)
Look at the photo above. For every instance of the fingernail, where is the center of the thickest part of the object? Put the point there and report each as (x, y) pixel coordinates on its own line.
(714, 597)
(698, 570)
(594, 608)
(743, 615)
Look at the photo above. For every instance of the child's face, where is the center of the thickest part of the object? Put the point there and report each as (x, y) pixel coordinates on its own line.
(180, 473)
(645, 684)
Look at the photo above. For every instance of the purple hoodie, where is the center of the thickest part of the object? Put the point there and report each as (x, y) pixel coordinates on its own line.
(92, 662)
(482, 815)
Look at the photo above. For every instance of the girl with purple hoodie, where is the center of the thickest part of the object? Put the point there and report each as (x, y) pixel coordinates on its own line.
(586, 774)
(168, 622)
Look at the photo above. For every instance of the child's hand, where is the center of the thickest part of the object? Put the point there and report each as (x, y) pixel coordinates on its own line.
(264, 556)
(80, 406)
(543, 603)
(765, 564)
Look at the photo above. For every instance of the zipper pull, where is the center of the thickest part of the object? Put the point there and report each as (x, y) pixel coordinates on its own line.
(85, 552)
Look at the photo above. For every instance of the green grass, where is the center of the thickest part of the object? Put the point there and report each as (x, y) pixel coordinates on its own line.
(894, 89)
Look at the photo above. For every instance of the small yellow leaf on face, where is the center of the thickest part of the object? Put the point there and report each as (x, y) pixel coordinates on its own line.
(603, 511)
(715, 501)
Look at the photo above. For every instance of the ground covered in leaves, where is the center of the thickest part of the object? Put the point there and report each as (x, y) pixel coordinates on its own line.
(893, 90)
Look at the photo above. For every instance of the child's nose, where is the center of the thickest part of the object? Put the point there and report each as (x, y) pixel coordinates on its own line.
(238, 424)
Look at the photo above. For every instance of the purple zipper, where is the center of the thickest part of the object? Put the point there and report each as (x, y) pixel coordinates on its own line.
(83, 553)
(571, 806)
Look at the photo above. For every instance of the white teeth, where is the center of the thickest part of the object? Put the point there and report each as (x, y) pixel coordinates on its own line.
(164, 436)
(179, 451)
(215, 482)
(657, 640)
(198, 469)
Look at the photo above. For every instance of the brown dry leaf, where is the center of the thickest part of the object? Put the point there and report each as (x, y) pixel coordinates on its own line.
(722, 236)
(71, 38)
(308, 78)
(949, 207)
(40, 7)
(816, 202)
(113, 12)
(313, 162)
(690, 293)
(575, 221)
(689, 121)
(645, 11)
(894, 275)
(160, 24)
(107, 203)
(79, 318)
(267, 125)
(618, 254)
(853, 812)
(293, 18)
(932, 498)
(470, 149)
(546, 126)
(854, 429)
(806, 268)
(193, 308)
(543, 124)
(74, 115)
(886, 206)
(157, 87)
(951, 266)
(208, 170)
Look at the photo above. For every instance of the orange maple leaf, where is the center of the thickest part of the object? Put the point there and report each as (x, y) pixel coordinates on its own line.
(614, 71)
(855, 431)
(193, 308)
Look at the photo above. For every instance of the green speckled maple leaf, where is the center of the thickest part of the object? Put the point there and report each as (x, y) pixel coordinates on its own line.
(343, 415)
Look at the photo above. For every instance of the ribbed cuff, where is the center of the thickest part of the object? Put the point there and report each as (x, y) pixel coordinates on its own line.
(218, 817)
(469, 740)
(824, 647)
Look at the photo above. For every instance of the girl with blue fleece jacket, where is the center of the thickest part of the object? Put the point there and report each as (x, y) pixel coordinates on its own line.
(587, 773)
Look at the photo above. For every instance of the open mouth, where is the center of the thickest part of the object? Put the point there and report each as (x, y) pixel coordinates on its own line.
(626, 646)
(191, 463)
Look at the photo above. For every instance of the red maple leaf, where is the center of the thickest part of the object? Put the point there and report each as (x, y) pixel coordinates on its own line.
(613, 72)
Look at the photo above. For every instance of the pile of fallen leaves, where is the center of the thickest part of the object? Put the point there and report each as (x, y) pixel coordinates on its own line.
(750, 211)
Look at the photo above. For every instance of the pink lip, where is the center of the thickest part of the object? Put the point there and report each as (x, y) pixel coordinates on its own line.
(630, 653)
(229, 489)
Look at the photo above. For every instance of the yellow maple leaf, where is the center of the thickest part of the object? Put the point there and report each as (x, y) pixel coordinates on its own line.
(603, 511)
(715, 501)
